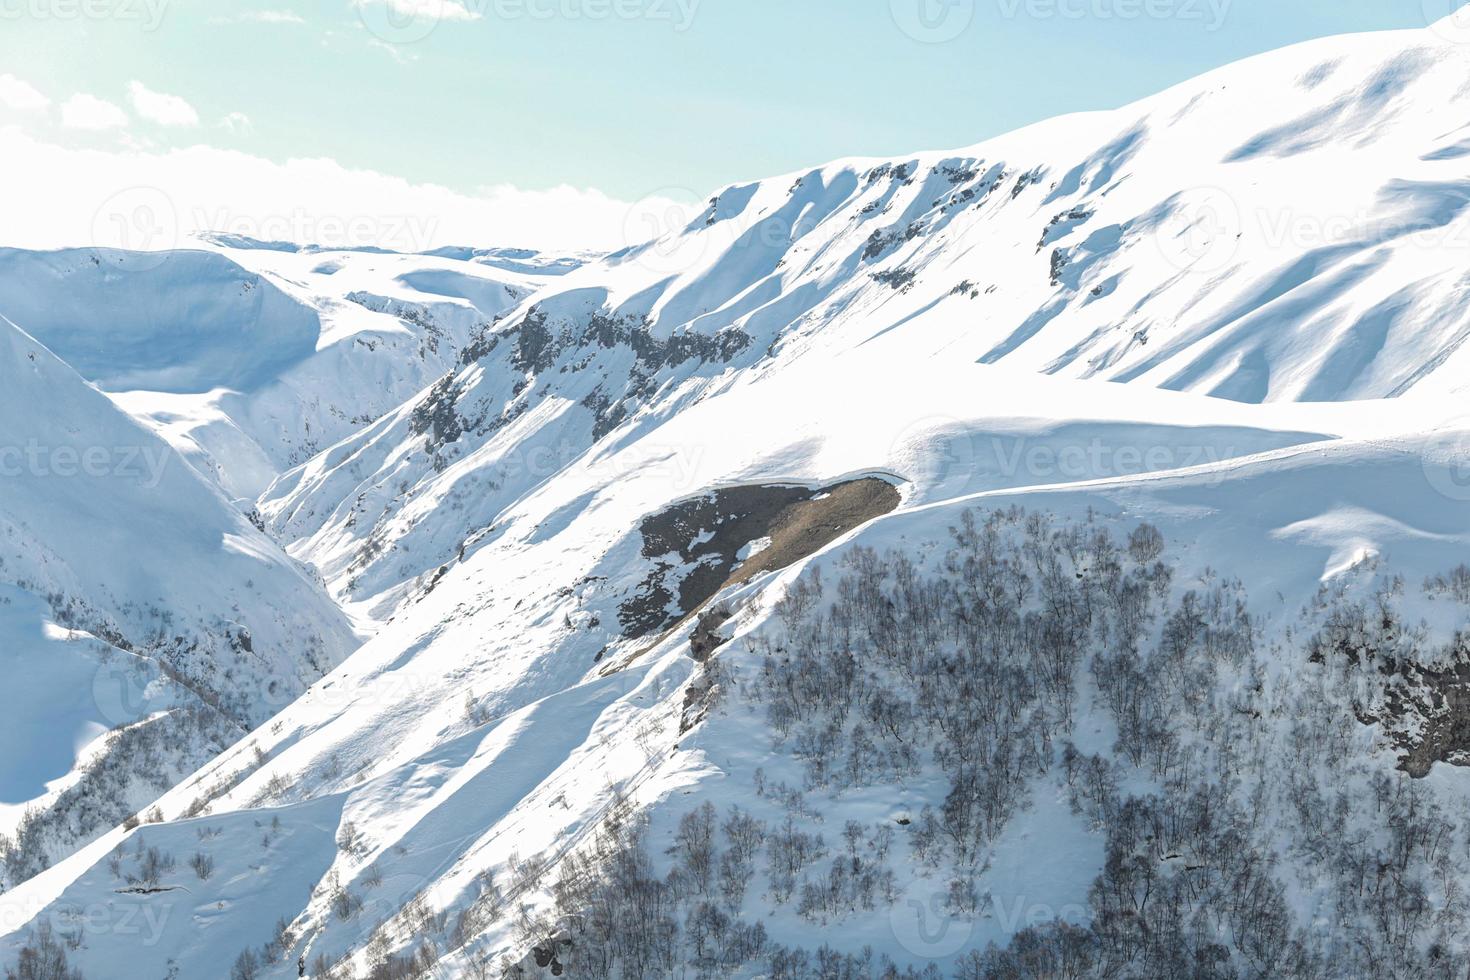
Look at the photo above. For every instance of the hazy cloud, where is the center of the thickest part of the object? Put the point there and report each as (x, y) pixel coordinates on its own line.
(165, 110)
(21, 95)
(237, 124)
(83, 111)
(54, 195)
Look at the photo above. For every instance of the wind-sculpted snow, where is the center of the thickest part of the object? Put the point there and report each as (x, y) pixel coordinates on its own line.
(1229, 236)
(185, 323)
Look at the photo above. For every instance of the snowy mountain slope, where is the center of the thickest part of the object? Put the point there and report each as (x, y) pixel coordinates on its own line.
(250, 358)
(1281, 229)
(1175, 243)
(124, 569)
(58, 671)
(1192, 683)
(198, 323)
(385, 531)
(435, 797)
(522, 628)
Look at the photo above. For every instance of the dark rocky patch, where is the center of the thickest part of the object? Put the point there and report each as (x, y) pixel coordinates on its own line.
(1422, 697)
(1427, 712)
(706, 638)
(537, 345)
(704, 535)
(436, 415)
(899, 279)
(1058, 266)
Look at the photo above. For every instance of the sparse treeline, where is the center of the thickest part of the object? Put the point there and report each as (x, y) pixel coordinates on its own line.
(1262, 833)
(140, 761)
(1246, 796)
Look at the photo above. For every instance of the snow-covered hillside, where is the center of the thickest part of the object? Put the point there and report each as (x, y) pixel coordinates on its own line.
(251, 357)
(1045, 559)
(1279, 231)
(147, 624)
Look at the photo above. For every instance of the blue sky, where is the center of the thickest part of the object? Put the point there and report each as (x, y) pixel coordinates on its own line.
(688, 93)
(630, 97)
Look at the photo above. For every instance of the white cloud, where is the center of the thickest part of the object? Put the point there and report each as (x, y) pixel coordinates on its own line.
(21, 95)
(425, 10)
(237, 124)
(83, 111)
(55, 197)
(393, 51)
(272, 17)
(165, 110)
(261, 17)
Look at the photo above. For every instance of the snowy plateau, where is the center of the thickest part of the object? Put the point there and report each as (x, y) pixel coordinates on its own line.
(1048, 559)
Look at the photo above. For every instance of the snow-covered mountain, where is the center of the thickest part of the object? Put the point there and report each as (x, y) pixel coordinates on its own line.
(146, 624)
(250, 357)
(1039, 560)
(1281, 231)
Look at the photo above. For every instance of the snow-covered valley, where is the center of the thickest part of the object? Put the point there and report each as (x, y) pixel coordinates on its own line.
(1043, 559)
